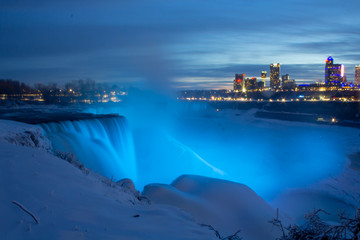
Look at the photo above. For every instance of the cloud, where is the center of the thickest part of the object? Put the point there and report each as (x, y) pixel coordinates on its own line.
(159, 41)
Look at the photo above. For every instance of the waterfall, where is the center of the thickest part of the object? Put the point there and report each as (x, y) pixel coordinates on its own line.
(102, 144)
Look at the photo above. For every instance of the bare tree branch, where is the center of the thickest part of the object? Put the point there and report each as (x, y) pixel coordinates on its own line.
(24, 209)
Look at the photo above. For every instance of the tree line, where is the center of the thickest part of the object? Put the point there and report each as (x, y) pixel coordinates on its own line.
(9, 86)
(88, 86)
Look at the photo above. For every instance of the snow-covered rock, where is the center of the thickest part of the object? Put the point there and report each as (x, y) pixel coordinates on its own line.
(225, 205)
(23, 134)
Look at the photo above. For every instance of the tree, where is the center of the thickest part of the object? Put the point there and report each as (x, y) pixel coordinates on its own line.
(315, 228)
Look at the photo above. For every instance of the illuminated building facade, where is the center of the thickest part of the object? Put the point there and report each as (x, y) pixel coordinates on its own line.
(357, 74)
(260, 85)
(275, 75)
(289, 84)
(239, 82)
(263, 76)
(250, 84)
(284, 78)
(334, 73)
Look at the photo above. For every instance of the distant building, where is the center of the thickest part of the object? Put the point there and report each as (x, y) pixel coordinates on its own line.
(357, 74)
(275, 75)
(239, 82)
(334, 73)
(260, 85)
(250, 84)
(263, 76)
(289, 84)
(285, 77)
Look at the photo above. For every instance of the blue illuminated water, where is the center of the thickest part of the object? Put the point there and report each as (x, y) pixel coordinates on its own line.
(170, 140)
(104, 145)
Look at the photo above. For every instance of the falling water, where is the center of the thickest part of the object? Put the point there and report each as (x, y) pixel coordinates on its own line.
(103, 144)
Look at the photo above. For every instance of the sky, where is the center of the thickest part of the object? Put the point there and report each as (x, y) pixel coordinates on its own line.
(198, 44)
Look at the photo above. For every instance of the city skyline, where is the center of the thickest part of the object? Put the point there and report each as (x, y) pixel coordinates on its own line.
(185, 45)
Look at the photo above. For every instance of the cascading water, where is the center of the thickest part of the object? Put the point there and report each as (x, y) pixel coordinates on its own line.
(103, 144)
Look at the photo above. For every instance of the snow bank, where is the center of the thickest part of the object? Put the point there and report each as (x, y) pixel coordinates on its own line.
(23, 134)
(340, 193)
(225, 205)
(70, 204)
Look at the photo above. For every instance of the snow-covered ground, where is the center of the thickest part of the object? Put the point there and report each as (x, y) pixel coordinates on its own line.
(333, 194)
(71, 203)
(293, 166)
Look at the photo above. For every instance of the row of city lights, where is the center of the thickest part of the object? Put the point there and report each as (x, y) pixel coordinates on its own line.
(322, 99)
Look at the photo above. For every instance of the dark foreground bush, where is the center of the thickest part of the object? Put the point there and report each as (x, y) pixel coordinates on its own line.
(348, 228)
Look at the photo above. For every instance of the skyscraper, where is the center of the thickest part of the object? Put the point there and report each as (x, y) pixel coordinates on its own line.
(334, 73)
(287, 83)
(239, 82)
(284, 78)
(275, 75)
(250, 83)
(357, 74)
(263, 76)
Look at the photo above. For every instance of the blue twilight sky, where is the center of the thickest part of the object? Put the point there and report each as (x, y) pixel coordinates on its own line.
(166, 43)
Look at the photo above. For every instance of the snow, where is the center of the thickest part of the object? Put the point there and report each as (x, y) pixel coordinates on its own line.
(294, 166)
(225, 205)
(23, 134)
(71, 204)
(335, 194)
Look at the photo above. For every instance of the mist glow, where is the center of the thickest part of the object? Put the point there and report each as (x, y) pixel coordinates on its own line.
(268, 156)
